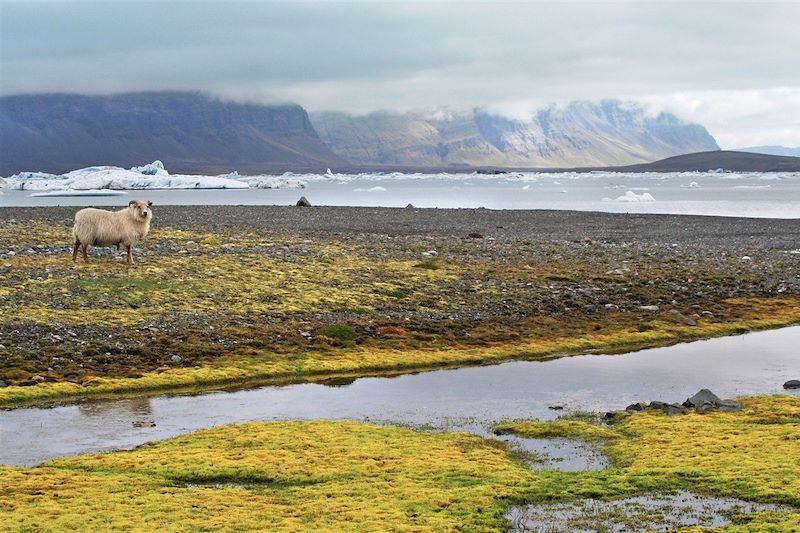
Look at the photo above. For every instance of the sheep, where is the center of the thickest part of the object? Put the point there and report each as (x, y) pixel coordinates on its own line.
(97, 227)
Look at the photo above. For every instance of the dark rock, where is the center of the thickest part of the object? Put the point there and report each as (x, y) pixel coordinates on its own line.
(144, 424)
(792, 384)
(706, 407)
(555, 407)
(475, 235)
(673, 409)
(702, 396)
(610, 415)
(410, 206)
(303, 202)
(729, 406)
(657, 405)
(689, 321)
(3, 383)
(638, 406)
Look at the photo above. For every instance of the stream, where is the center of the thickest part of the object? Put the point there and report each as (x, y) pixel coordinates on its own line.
(465, 399)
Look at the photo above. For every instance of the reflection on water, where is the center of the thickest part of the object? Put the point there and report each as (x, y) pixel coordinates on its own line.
(139, 408)
(469, 399)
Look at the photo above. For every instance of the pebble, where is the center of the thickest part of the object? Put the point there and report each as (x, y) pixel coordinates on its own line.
(652, 308)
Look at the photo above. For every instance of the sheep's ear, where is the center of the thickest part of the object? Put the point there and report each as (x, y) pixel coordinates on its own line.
(149, 204)
(131, 203)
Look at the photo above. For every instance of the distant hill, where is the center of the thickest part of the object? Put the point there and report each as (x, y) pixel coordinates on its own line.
(189, 132)
(726, 160)
(772, 150)
(580, 134)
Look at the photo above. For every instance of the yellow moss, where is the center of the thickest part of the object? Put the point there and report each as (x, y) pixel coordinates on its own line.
(751, 454)
(289, 476)
(106, 292)
(571, 429)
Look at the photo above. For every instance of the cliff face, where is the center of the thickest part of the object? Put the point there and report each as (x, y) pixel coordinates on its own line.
(189, 132)
(580, 134)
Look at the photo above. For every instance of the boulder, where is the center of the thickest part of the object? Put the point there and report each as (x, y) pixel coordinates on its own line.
(673, 409)
(638, 406)
(303, 202)
(657, 405)
(410, 206)
(3, 384)
(701, 397)
(792, 384)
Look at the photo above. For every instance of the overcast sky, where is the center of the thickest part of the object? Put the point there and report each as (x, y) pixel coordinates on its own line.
(733, 67)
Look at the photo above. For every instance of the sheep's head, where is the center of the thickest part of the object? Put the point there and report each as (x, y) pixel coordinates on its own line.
(141, 209)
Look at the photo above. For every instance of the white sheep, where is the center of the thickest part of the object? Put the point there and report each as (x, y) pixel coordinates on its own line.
(97, 227)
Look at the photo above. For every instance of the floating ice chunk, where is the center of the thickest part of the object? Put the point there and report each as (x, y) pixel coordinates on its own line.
(377, 188)
(271, 182)
(156, 168)
(752, 187)
(692, 185)
(631, 196)
(525, 188)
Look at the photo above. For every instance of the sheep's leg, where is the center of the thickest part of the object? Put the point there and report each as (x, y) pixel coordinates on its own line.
(130, 254)
(75, 249)
(85, 255)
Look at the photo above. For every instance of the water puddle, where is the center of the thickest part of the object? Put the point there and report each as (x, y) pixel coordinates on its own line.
(642, 513)
(466, 399)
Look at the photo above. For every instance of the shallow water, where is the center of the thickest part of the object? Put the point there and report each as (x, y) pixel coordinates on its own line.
(641, 513)
(469, 399)
(773, 195)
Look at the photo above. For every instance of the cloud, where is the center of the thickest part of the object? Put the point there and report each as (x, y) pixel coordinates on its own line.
(365, 56)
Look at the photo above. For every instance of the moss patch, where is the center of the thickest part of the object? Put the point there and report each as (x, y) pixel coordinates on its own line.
(292, 476)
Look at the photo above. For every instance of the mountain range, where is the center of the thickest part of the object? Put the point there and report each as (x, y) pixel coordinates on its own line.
(192, 132)
(189, 132)
(581, 134)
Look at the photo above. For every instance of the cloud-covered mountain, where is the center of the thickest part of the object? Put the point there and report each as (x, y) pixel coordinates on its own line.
(189, 132)
(580, 134)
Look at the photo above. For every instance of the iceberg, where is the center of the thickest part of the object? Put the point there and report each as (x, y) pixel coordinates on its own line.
(631, 196)
(150, 176)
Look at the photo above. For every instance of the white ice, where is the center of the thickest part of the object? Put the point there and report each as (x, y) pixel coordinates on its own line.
(631, 196)
(151, 176)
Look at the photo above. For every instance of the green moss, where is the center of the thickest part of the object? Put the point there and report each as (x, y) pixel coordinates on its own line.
(343, 332)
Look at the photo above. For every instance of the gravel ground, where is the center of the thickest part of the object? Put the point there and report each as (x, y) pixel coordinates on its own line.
(706, 232)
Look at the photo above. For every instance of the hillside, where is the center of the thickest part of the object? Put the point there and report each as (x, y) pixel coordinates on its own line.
(581, 134)
(726, 160)
(189, 132)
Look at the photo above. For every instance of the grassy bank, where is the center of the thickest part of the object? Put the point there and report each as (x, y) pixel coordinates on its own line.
(341, 476)
(238, 307)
